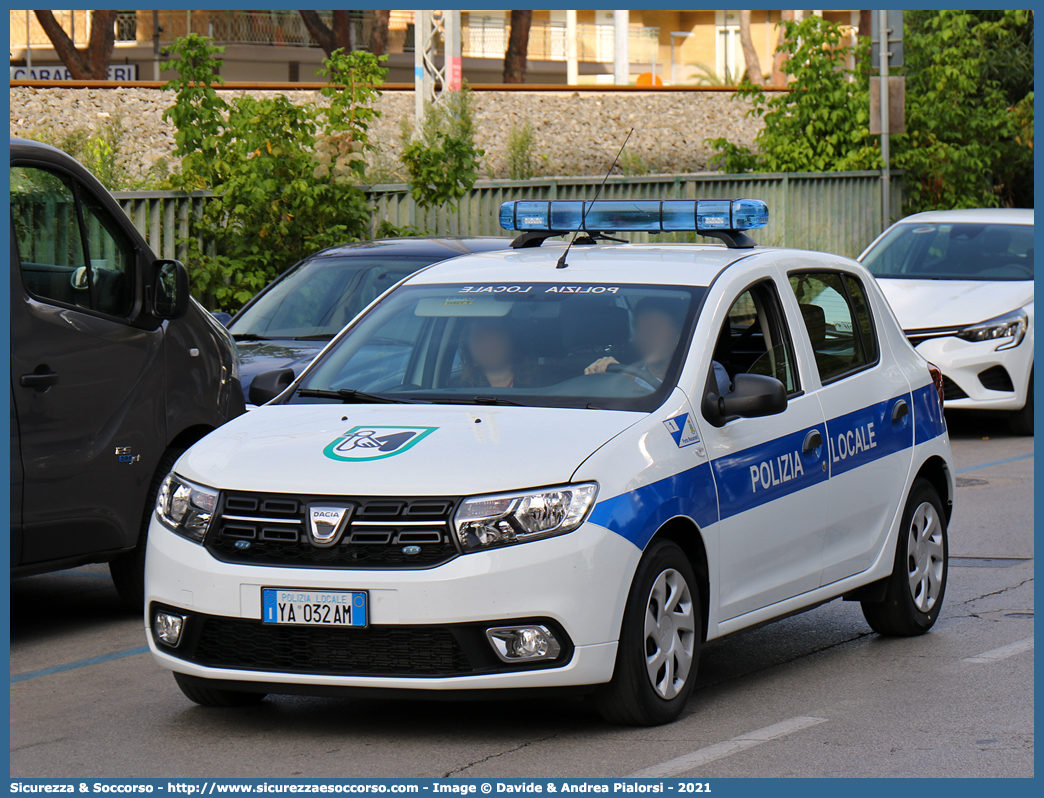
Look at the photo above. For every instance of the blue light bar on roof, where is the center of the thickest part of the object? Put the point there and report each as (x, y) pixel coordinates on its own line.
(633, 216)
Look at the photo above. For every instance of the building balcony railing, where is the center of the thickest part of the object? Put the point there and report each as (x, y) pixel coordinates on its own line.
(480, 37)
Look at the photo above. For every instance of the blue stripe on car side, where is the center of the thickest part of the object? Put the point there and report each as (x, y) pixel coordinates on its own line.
(767, 472)
(637, 514)
(929, 421)
(868, 434)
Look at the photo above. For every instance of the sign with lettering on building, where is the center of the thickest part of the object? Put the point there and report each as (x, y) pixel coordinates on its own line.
(59, 72)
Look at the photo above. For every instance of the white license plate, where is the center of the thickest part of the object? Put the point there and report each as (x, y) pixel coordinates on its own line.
(296, 607)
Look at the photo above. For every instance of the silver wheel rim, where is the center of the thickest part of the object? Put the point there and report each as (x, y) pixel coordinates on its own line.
(670, 633)
(925, 557)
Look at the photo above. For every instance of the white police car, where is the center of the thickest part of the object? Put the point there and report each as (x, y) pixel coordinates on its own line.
(543, 468)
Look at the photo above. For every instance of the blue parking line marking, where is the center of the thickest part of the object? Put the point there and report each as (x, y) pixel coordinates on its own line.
(994, 463)
(83, 663)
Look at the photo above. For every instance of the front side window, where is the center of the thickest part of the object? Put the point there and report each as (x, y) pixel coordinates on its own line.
(71, 251)
(837, 320)
(536, 344)
(955, 251)
(754, 340)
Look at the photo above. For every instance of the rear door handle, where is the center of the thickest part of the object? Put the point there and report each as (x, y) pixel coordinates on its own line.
(39, 381)
(901, 410)
(812, 441)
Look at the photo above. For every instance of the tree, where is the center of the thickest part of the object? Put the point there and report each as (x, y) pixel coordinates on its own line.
(91, 63)
(338, 38)
(779, 80)
(518, 47)
(822, 123)
(379, 32)
(284, 177)
(342, 35)
(750, 55)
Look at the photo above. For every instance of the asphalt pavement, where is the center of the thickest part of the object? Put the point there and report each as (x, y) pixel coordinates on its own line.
(815, 695)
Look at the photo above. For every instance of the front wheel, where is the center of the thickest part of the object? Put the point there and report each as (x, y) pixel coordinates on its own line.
(914, 592)
(659, 648)
(205, 695)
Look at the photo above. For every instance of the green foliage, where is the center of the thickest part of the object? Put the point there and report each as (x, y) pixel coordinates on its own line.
(388, 230)
(520, 145)
(969, 109)
(284, 176)
(969, 117)
(633, 164)
(822, 123)
(442, 158)
(102, 152)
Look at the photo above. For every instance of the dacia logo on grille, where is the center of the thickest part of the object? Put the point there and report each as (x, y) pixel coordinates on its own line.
(326, 523)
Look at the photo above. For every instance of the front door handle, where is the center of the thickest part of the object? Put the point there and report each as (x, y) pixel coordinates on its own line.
(900, 411)
(812, 441)
(40, 382)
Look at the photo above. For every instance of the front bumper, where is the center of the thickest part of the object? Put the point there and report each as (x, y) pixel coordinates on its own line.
(968, 365)
(577, 583)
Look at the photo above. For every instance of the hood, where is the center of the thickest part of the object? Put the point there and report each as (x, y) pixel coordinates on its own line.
(408, 450)
(930, 304)
(258, 356)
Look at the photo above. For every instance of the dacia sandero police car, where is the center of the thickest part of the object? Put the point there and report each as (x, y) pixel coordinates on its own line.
(562, 467)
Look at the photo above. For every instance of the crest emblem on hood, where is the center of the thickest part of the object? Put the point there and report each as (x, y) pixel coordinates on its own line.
(326, 523)
(375, 443)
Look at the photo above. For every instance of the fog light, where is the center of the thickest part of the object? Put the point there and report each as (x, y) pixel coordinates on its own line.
(167, 627)
(514, 643)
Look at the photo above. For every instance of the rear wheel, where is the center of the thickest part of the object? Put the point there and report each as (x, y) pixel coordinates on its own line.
(914, 592)
(659, 648)
(128, 570)
(205, 695)
(1021, 421)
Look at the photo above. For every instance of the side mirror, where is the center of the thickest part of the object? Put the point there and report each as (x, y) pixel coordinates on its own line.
(222, 317)
(752, 395)
(170, 289)
(267, 385)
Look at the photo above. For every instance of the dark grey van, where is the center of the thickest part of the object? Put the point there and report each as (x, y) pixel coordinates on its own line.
(115, 371)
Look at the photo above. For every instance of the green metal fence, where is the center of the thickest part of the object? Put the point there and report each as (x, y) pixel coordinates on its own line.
(830, 211)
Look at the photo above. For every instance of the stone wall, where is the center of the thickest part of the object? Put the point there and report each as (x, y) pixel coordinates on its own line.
(575, 133)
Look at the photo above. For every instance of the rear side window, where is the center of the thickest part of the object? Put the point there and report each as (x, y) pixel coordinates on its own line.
(71, 251)
(837, 319)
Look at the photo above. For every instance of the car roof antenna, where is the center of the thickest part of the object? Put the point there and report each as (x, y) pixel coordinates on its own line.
(586, 206)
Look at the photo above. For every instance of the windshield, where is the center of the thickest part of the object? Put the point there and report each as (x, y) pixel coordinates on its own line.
(954, 252)
(316, 298)
(536, 344)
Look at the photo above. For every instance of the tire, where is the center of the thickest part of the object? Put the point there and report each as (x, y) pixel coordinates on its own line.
(128, 570)
(1021, 421)
(650, 687)
(914, 592)
(196, 689)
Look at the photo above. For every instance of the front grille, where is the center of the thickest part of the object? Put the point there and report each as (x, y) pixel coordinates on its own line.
(952, 390)
(244, 644)
(996, 379)
(267, 529)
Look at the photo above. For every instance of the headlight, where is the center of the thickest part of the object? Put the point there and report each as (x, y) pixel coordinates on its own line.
(1011, 325)
(185, 508)
(501, 520)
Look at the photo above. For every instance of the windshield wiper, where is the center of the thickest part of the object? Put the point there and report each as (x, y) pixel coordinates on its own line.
(249, 337)
(349, 396)
(477, 400)
(323, 337)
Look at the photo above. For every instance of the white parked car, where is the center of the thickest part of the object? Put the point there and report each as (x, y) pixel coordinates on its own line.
(961, 285)
(592, 460)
